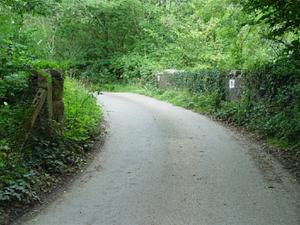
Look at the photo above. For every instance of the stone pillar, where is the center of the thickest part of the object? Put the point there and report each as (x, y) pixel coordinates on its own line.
(233, 85)
(47, 105)
(57, 95)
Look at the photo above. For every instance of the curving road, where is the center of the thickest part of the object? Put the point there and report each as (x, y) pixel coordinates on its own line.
(164, 165)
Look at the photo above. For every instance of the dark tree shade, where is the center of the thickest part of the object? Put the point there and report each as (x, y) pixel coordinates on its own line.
(282, 15)
(41, 7)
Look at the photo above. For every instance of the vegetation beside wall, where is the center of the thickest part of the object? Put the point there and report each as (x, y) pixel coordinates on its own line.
(45, 157)
(39, 167)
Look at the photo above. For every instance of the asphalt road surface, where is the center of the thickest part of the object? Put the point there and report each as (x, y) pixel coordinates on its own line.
(164, 165)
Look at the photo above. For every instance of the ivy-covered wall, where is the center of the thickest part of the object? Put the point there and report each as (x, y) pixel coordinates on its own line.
(269, 102)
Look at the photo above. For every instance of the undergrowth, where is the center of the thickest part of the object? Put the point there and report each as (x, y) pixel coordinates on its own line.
(26, 174)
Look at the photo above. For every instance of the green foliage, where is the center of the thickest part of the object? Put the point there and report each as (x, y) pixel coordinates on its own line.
(283, 22)
(282, 16)
(203, 103)
(82, 114)
(24, 175)
(102, 32)
(21, 7)
(12, 86)
(25, 45)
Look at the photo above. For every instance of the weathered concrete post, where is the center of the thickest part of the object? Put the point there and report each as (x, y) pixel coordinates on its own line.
(233, 85)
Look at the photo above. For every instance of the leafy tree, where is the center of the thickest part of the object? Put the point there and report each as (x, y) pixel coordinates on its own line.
(282, 15)
(283, 18)
(41, 7)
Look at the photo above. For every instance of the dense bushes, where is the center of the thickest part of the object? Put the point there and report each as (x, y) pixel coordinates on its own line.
(82, 114)
(274, 105)
(27, 44)
(25, 174)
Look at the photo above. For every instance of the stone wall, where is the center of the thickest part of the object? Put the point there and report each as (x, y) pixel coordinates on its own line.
(231, 83)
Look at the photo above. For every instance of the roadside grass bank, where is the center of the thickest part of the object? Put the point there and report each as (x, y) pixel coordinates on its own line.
(28, 176)
(229, 112)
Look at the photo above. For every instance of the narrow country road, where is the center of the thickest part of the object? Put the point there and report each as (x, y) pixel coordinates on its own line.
(164, 165)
